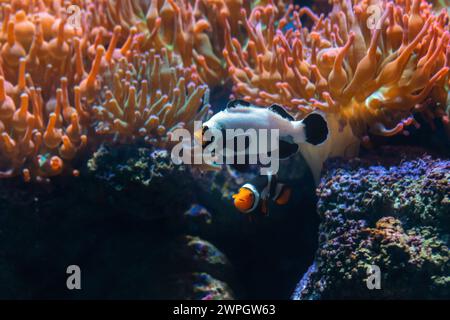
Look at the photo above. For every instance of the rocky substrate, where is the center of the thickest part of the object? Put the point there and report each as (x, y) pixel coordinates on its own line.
(140, 227)
(124, 221)
(391, 210)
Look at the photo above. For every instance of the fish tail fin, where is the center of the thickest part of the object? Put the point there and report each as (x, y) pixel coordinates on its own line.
(315, 128)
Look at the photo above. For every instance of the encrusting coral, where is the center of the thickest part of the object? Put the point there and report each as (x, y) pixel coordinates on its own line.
(390, 210)
(63, 86)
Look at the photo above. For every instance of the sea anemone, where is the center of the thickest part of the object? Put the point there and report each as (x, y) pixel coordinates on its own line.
(191, 30)
(43, 116)
(61, 91)
(148, 97)
(369, 66)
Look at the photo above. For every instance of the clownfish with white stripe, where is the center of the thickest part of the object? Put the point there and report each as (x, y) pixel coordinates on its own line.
(239, 114)
(255, 196)
(311, 134)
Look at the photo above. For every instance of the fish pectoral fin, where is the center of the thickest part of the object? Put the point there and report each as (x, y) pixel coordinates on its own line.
(287, 149)
(264, 208)
(316, 128)
(284, 196)
(281, 111)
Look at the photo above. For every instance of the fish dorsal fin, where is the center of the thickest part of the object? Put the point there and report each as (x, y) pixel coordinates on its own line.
(238, 103)
(281, 111)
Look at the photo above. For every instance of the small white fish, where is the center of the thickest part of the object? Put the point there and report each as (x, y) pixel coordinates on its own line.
(313, 129)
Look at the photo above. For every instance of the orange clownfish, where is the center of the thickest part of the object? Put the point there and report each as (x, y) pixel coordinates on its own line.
(255, 196)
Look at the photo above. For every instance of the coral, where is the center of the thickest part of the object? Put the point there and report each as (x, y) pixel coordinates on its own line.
(321, 6)
(204, 252)
(149, 97)
(198, 214)
(438, 5)
(372, 80)
(196, 254)
(191, 30)
(42, 122)
(61, 93)
(393, 213)
(121, 166)
(201, 286)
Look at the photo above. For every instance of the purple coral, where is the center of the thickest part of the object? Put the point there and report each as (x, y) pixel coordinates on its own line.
(392, 212)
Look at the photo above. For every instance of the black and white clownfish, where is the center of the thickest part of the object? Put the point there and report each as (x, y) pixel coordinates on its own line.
(313, 129)
(254, 197)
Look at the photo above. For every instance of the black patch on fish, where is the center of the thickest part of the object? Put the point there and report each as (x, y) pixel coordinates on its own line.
(316, 129)
(236, 103)
(240, 167)
(281, 111)
(287, 149)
